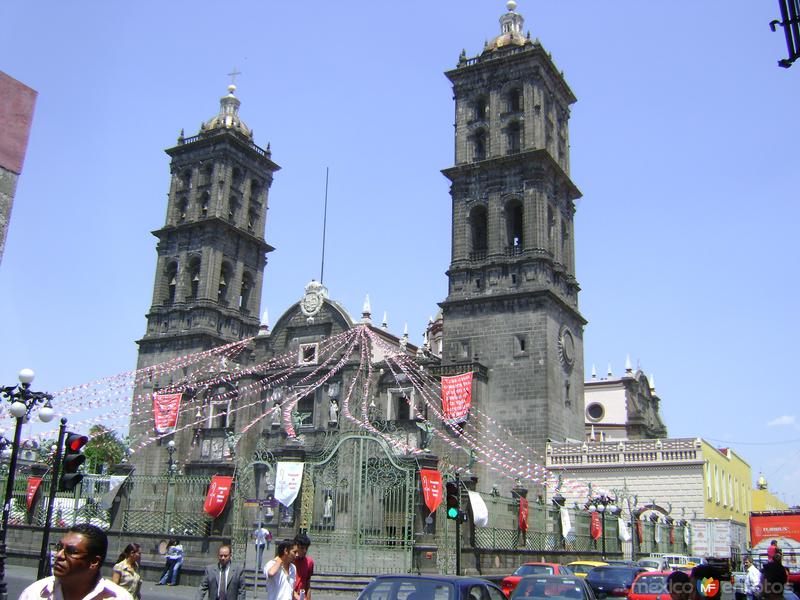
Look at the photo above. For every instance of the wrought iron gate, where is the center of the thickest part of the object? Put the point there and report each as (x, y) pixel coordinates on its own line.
(357, 501)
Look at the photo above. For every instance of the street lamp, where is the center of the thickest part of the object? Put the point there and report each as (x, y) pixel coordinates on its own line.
(601, 504)
(172, 466)
(23, 401)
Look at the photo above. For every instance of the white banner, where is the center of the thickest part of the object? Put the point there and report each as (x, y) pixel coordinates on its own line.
(114, 485)
(658, 532)
(480, 514)
(687, 536)
(288, 477)
(566, 523)
(624, 532)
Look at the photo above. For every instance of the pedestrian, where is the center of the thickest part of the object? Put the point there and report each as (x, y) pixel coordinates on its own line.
(773, 548)
(679, 585)
(752, 580)
(774, 581)
(172, 569)
(76, 571)
(281, 573)
(126, 572)
(223, 580)
(260, 534)
(305, 567)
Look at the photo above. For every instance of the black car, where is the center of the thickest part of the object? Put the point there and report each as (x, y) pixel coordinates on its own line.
(552, 587)
(612, 581)
(430, 587)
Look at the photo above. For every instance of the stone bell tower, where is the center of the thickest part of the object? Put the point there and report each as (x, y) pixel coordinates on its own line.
(512, 302)
(211, 253)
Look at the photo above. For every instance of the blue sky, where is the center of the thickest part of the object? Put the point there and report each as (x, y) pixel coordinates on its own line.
(683, 142)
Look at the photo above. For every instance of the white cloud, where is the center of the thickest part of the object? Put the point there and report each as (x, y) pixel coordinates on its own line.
(782, 421)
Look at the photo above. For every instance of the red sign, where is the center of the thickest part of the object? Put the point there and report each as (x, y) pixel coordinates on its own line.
(33, 487)
(784, 527)
(523, 514)
(431, 488)
(672, 533)
(217, 496)
(456, 397)
(165, 412)
(596, 528)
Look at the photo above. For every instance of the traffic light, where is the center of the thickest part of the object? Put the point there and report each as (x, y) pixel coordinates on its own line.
(72, 461)
(453, 497)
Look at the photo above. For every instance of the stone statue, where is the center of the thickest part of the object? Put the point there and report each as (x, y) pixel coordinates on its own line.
(327, 508)
(333, 411)
(276, 413)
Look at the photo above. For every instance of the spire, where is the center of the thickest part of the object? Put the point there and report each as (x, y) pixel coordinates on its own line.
(511, 26)
(385, 322)
(228, 117)
(652, 382)
(610, 373)
(263, 328)
(404, 339)
(628, 367)
(366, 311)
(594, 372)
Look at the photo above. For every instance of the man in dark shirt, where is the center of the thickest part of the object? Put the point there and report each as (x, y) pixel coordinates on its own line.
(304, 565)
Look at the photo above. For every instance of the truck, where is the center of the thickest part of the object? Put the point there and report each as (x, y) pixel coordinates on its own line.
(782, 526)
(719, 538)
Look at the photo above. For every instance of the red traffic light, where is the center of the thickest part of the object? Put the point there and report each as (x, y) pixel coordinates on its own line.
(75, 441)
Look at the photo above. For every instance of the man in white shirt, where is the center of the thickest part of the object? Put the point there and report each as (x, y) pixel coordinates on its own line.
(752, 580)
(76, 569)
(281, 573)
(261, 540)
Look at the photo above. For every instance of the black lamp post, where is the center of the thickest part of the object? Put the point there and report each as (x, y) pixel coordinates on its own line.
(172, 466)
(601, 504)
(23, 401)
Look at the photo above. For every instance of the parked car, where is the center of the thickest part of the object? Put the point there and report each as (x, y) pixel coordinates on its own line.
(653, 563)
(582, 567)
(552, 587)
(532, 568)
(649, 586)
(612, 581)
(430, 587)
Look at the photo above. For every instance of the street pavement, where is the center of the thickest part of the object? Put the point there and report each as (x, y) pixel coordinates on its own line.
(18, 578)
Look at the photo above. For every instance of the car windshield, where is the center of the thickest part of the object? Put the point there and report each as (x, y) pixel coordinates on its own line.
(549, 588)
(408, 588)
(650, 584)
(534, 570)
(650, 563)
(581, 568)
(616, 576)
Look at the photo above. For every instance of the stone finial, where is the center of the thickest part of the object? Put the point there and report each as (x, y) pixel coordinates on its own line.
(366, 311)
(628, 367)
(263, 328)
(385, 322)
(594, 372)
(609, 373)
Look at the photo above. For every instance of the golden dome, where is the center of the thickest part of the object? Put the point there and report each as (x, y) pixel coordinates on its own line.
(228, 117)
(511, 25)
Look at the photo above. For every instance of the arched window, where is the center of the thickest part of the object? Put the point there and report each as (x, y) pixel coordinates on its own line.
(255, 190)
(237, 178)
(194, 278)
(207, 174)
(479, 240)
(551, 223)
(233, 208)
(186, 180)
(514, 137)
(244, 295)
(514, 226)
(514, 99)
(171, 279)
(252, 219)
(479, 109)
(479, 145)
(205, 203)
(224, 284)
(181, 208)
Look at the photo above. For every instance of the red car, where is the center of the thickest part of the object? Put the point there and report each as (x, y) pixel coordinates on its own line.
(650, 585)
(510, 583)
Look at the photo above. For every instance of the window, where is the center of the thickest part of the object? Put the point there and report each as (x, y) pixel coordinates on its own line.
(244, 294)
(515, 100)
(205, 202)
(171, 277)
(305, 408)
(206, 175)
(307, 354)
(478, 232)
(252, 219)
(400, 405)
(551, 223)
(194, 278)
(513, 138)
(595, 411)
(479, 145)
(181, 208)
(224, 280)
(520, 344)
(186, 180)
(233, 208)
(514, 226)
(255, 190)
(479, 113)
(237, 178)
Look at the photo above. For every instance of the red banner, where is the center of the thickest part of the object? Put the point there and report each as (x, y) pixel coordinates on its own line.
(33, 487)
(523, 514)
(639, 532)
(672, 533)
(217, 496)
(431, 488)
(456, 397)
(596, 528)
(784, 527)
(165, 412)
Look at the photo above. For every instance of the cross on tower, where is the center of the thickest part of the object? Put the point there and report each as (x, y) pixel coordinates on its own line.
(233, 75)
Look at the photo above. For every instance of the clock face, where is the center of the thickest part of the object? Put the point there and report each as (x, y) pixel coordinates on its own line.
(566, 348)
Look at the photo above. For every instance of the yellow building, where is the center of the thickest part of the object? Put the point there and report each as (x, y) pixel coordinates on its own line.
(727, 480)
(763, 500)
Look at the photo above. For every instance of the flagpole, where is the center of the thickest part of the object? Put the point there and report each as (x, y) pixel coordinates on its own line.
(44, 555)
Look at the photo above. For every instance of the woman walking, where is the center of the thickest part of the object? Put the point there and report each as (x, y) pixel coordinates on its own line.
(126, 571)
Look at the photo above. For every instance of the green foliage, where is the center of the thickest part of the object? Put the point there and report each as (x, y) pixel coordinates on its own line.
(104, 449)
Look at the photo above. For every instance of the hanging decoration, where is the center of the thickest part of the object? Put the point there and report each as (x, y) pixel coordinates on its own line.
(624, 533)
(596, 527)
(639, 530)
(431, 481)
(480, 514)
(33, 487)
(523, 514)
(217, 496)
(165, 412)
(457, 397)
(288, 478)
(566, 523)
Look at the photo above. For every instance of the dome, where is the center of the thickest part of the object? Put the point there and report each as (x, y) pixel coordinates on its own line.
(511, 34)
(228, 117)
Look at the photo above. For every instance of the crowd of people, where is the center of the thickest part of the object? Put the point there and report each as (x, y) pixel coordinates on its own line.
(79, 557)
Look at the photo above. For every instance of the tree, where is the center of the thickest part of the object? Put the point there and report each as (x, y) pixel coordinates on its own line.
(104, 449)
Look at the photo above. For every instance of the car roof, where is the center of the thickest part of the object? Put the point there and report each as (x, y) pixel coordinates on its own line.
(594, 563)
(652, 573)
(618, 568)
(548, 576)
(547, 564)
(448, 578)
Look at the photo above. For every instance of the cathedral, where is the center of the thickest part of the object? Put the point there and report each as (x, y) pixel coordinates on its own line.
(510, 318)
